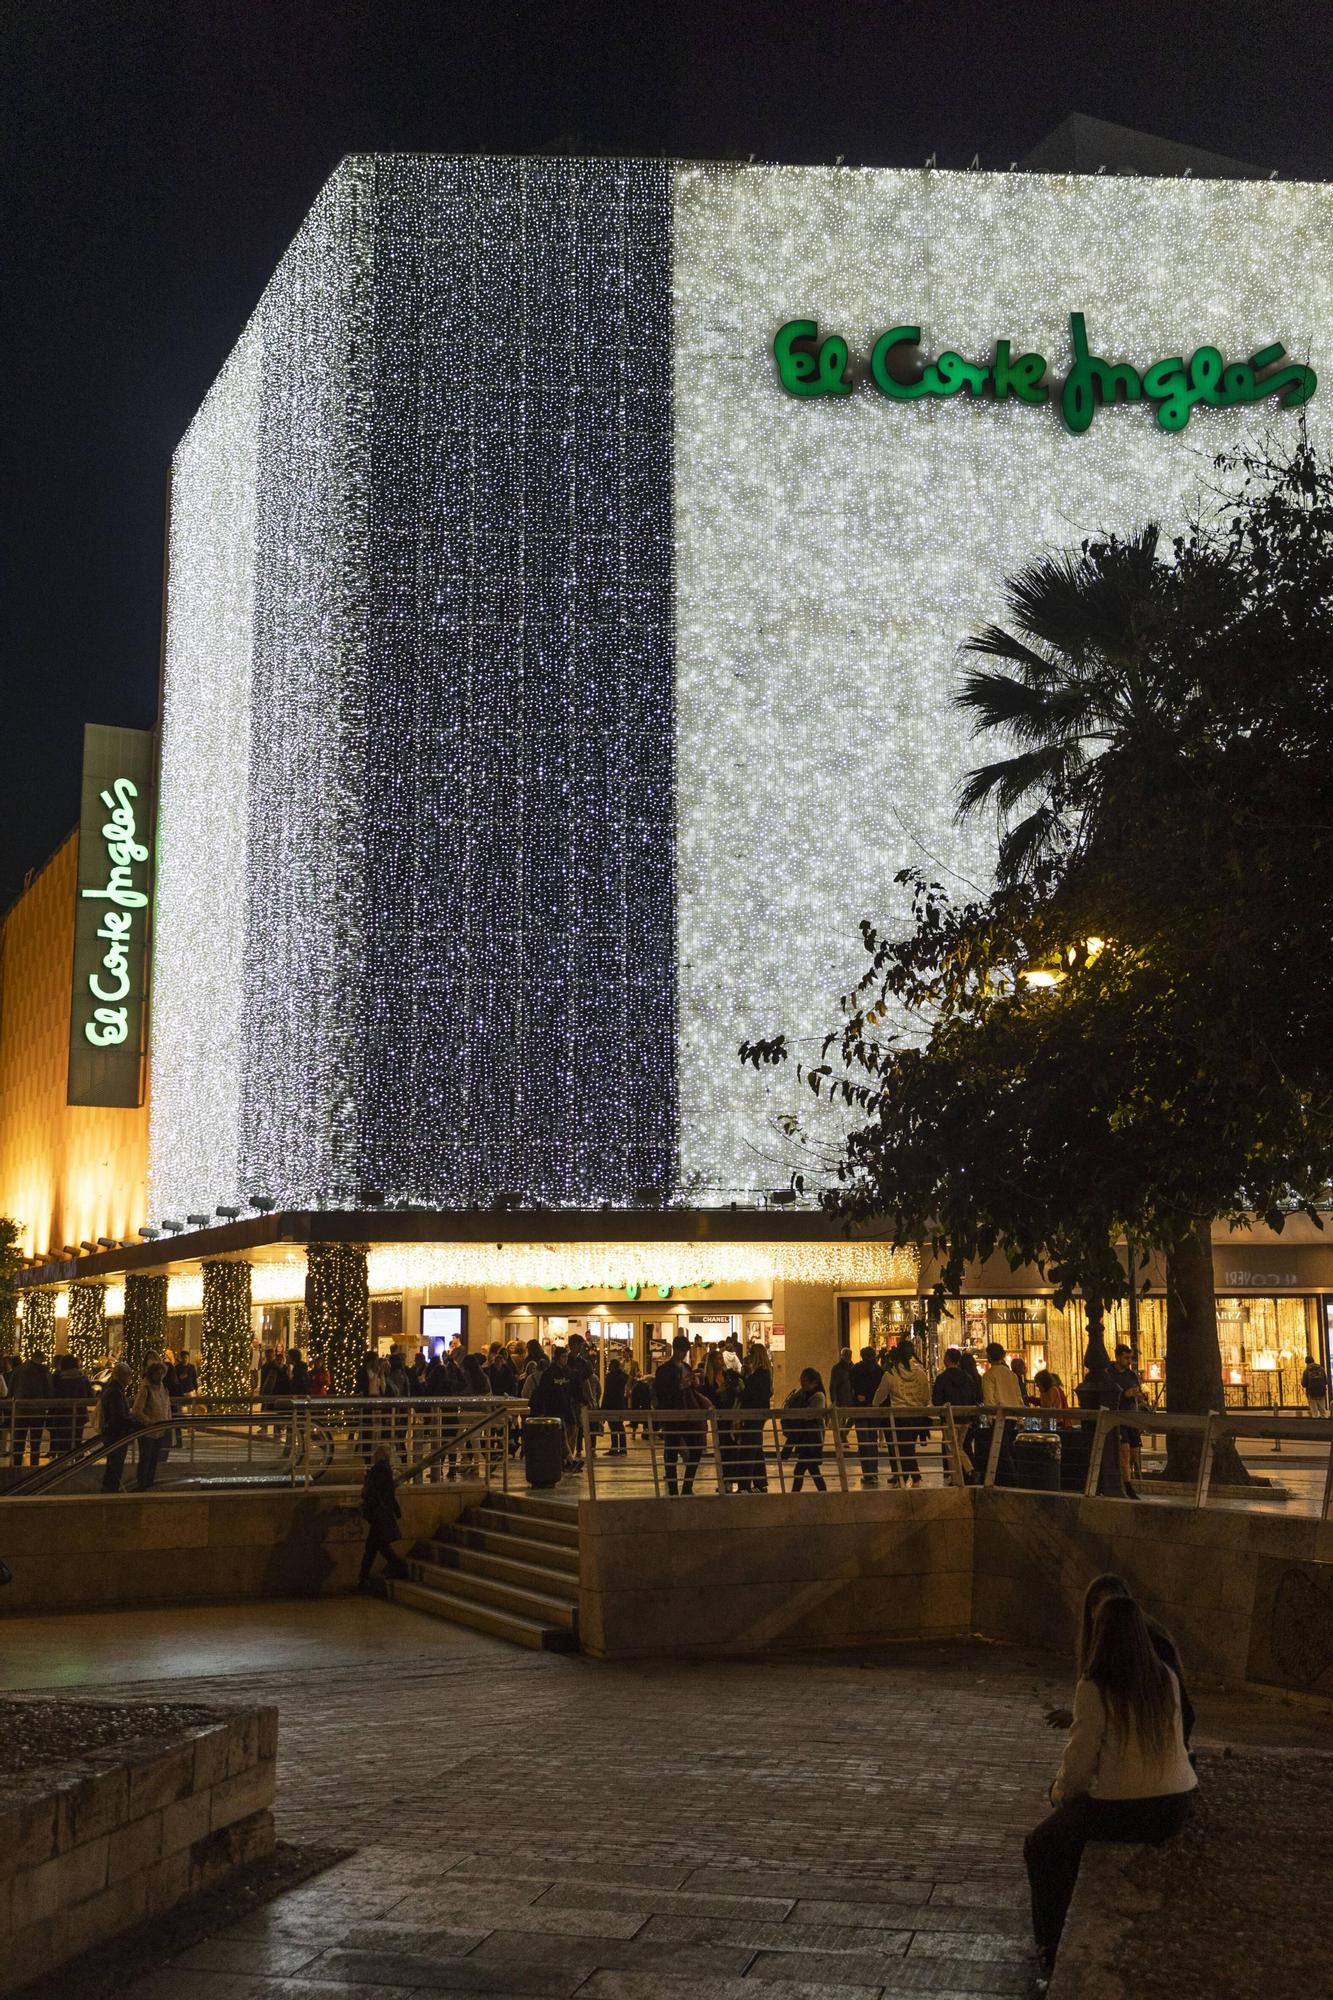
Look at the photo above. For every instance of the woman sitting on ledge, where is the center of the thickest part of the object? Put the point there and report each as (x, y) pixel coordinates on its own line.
(1125, 1774)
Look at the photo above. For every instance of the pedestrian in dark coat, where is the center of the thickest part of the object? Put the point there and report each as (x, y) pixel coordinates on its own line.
(615, 1396)
(117, 1422)
(30, 1387)
(383, 1517)
(71, 1392)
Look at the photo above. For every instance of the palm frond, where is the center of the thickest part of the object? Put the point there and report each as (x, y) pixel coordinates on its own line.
(1011, 780)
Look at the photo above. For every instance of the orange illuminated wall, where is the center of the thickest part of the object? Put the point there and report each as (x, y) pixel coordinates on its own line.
(68, 1173)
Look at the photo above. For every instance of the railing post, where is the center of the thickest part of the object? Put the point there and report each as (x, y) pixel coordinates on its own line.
(712, 1421)
(1094, 1478)
(995, 1436)
(504, 1476)
(1205, 1474)
(778, 1442)
(951, 1445)
(652, 1453)
(839, 1448)
(895, 1449)
(589, 1455)
(1326, 1512)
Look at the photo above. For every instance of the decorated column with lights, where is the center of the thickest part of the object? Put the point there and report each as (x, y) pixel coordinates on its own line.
(227, 1323)
(87, 1324)
(337, 1307)
(144, 1327)
(39, 1327)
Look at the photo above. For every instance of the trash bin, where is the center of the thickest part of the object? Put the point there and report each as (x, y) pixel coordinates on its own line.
(1037, 1459)
(543, 1450)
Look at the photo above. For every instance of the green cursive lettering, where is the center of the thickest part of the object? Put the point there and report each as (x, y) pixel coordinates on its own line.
(808, 366)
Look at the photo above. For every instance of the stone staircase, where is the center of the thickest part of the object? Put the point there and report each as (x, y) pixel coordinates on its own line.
(509, 1566)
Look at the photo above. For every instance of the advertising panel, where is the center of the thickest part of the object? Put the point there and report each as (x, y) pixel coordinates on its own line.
(111, 916)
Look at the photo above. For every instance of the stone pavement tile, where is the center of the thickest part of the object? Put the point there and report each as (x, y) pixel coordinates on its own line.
(849, 1968)
(376, 1970)
(579, 1895)
(169, 1983)
(401, 1941)
(975, 1895)
(614, 1955)
(1003, 1920)
(576, 1866)
(990, 1981)
(789, 1937)
(870, 1915)
(789, 1881)
(657, 1986)
(963, 1945)
(272, 1956)
(452, 1900)
(545, 1917)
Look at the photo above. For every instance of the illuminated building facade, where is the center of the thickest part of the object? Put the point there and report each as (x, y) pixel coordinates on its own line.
(553, 681)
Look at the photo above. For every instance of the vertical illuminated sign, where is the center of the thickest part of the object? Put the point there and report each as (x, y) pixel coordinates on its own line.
(111, 912)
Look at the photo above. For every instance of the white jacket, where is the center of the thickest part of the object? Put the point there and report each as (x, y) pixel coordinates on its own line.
(906, 1388)
(1100, 1762)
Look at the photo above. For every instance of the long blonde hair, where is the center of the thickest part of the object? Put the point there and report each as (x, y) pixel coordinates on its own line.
(1138, 1691)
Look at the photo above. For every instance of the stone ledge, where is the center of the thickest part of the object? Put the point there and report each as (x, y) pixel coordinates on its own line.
(90, 1852)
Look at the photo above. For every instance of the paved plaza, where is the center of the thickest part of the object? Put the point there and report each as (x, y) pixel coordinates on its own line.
(539, 1825)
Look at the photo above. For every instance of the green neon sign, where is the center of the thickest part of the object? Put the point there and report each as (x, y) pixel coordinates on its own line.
(808, 366)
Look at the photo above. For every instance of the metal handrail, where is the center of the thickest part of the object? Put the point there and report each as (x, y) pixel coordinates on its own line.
(724, 1437)
(56, 1470)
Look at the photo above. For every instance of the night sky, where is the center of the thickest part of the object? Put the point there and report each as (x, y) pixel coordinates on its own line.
(157, 158)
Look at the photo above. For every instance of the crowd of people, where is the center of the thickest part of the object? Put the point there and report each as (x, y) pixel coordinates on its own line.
(46, 1411)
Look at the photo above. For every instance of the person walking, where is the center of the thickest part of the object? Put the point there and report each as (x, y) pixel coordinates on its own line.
(958, 1387)
(152, 1405)
(805, 1428)
(674, 1392)
(30, 1387)
(905, 1388)
(299, 1372)
(1125, 1774)
(116, 1421)
(866, 1378)
(615, 1397)
(840, 1381)
(383, 1517)
(1000, 1390)
(1314, 1381)
(756, 1395)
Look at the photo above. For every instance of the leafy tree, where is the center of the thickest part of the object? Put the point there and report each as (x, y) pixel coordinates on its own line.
(1165, 788)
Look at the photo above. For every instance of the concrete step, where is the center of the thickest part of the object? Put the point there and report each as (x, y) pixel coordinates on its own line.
(505, 1520)
(539, 1605)
(527, 1576)
(482, 1617)
(565, 1513)
(508, 1542)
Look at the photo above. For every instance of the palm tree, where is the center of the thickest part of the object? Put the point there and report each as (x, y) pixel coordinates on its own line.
(1099, 694)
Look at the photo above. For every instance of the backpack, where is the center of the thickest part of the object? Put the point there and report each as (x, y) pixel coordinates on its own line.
(793, 1426)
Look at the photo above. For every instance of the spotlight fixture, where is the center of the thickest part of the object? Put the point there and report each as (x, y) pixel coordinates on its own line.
(149, 1234)
(172, 1228)
(199, 1221)
(108, 1243)
(782, 1197)
(70, 1249)
(263, 1202)
(86, 1245)
(371, 1198)
(647, 1197)
(228, 1214)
